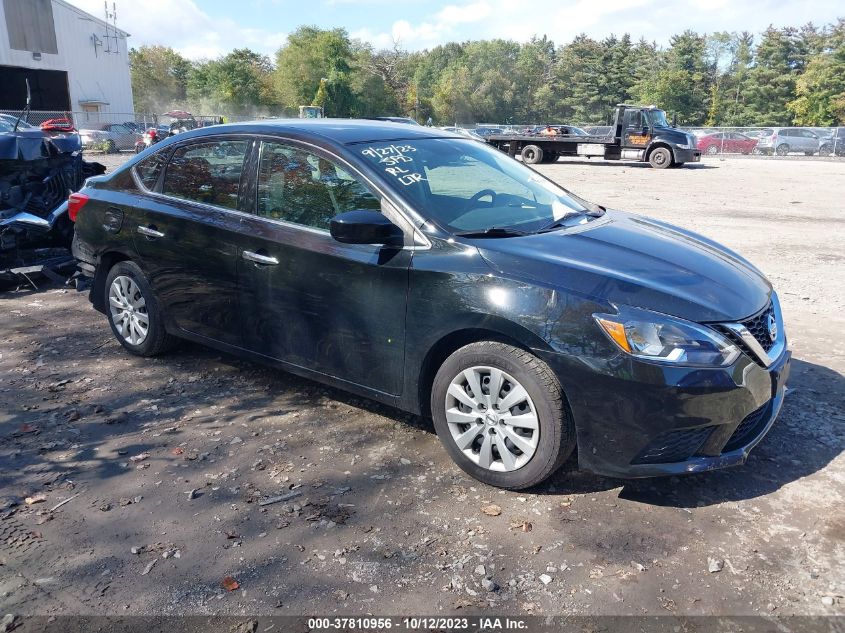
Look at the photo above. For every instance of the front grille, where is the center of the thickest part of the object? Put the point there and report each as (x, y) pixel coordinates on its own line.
(759, 327)
(674, 446)
(749, 428)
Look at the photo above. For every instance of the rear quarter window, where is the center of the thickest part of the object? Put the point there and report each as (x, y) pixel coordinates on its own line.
(148, 170)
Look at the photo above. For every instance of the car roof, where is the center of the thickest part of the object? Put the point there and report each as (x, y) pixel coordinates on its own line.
(340, 131)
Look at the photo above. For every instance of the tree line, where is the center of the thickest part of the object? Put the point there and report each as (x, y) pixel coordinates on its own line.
(782, 76)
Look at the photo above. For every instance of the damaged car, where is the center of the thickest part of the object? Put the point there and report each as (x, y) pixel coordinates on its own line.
(38, 170)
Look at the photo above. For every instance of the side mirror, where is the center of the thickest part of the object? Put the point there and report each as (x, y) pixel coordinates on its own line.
(366, 227)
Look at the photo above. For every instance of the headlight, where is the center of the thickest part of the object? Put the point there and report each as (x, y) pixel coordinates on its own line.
(658, 337)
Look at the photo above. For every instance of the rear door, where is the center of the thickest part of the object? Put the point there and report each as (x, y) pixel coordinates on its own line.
(187, 236)
(308, 300)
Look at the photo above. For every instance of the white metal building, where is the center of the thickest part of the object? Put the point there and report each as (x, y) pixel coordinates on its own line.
(74, 61)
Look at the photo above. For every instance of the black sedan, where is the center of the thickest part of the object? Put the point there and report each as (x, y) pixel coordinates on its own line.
(438, 275)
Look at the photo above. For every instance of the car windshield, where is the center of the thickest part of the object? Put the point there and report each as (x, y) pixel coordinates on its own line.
(657, 118)
(7, 124)
(467, 187)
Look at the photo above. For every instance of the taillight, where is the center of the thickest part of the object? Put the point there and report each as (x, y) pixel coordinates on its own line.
(75, 202)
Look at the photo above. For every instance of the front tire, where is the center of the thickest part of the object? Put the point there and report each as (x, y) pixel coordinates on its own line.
(133, 311)
(782, 150)
(500, 413)
(660, 158)
(712, 149)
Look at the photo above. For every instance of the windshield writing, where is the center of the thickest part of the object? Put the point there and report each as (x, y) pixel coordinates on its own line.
(467, 186)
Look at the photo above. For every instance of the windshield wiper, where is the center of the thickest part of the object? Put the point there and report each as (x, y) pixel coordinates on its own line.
(561, 222)
(493, 231)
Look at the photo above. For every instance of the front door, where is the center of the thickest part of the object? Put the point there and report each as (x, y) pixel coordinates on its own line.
(308, 300)
(188, 238)
(635, 132)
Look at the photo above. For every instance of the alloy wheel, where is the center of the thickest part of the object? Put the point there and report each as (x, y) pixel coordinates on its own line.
(128, 310)
(492, 419)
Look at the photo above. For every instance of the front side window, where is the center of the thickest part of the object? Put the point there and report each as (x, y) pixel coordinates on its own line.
(209, 173)
(299, 186)
(467, 186)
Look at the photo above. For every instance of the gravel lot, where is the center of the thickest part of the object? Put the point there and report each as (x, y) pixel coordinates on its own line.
(163, 463)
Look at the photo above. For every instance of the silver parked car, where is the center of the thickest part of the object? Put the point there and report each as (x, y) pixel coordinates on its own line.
(111, 137)
(784, 140)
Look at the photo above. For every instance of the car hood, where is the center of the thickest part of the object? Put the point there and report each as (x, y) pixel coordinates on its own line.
(637, 261)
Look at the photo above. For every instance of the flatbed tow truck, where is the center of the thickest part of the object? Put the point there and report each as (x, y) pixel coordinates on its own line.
(639, 133)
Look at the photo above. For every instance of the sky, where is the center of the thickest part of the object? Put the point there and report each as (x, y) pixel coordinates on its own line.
(202, 29)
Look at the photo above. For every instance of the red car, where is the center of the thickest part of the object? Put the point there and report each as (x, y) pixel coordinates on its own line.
(726, 143)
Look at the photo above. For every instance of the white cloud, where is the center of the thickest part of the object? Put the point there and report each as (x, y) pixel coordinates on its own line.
(562, 20)
(474, 12)
(182, 25)
(185, 26)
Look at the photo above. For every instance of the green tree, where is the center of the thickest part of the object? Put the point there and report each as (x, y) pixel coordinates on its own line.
(535, 82)
(309, 56)
(820, 90)
(681, 84)
(159, 78)
(578, 75)
(734, 110)
(237, 83)
(772, 81)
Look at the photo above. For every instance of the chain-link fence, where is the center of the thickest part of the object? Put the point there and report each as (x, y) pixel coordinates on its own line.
(107, 131)
(771, 141)
(712, 141)
(79, 120)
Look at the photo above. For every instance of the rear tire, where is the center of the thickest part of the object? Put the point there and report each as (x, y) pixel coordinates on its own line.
(532, 154)
(477, 428)
(712, 149)
(782, 150)
(660, 158)
(133, 311)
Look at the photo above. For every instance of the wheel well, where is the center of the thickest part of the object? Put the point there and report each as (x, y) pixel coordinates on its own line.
(444, 348)
(98, 286)
(654, 146)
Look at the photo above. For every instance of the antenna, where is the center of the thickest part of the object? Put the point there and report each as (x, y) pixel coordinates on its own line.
(28, 103)
(111, 23)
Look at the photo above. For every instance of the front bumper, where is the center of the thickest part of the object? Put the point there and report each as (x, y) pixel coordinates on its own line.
(687, 155)
(637, 419)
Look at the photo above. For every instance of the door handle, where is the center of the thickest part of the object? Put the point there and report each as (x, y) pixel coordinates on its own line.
(148, 231)
(258, 258)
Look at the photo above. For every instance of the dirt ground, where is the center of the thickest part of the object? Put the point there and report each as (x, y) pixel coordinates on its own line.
(162, 464)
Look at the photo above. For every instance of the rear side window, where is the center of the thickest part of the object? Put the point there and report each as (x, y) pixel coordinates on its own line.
(149, 169)
(209, 173)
